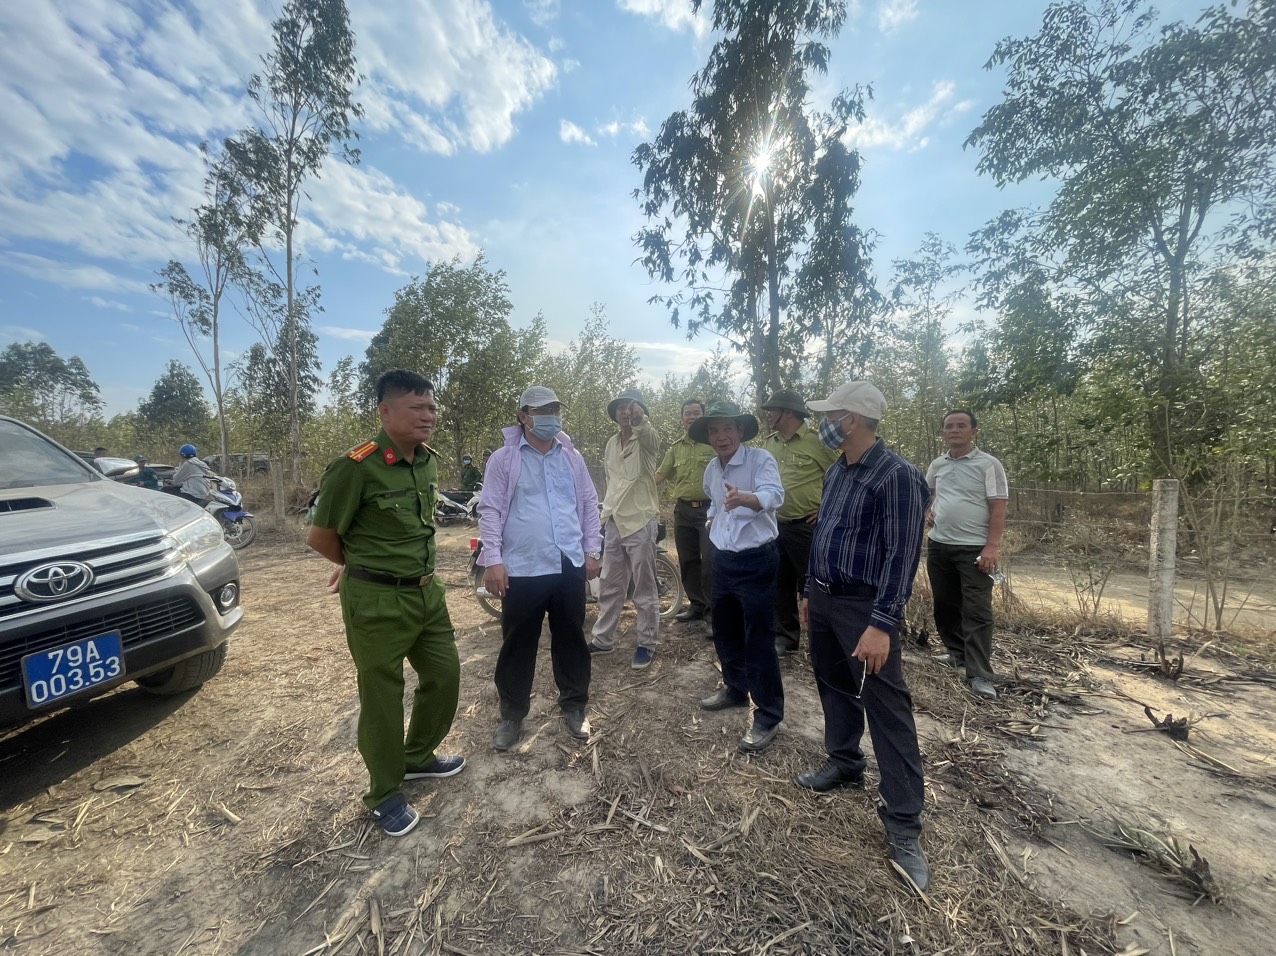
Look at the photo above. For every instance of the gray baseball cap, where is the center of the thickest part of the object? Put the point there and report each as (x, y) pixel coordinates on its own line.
(538, 396)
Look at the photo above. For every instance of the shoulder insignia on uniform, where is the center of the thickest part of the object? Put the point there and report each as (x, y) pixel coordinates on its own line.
(429, 449)
(360, 452)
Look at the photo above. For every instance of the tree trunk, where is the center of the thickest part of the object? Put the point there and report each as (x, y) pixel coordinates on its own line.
(222, 428)
(772, 354)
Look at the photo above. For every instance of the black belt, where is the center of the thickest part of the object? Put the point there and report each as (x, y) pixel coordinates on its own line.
(844, 588)
(791, 520)
(388, 580)
(703, 503)
(769, 546)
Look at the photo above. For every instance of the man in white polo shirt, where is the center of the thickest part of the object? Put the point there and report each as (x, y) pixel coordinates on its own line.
(967, 516)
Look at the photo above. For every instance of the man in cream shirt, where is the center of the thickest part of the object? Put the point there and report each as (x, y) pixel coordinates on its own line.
(629, 515)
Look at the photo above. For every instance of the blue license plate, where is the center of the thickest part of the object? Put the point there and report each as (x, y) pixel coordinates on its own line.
(71, 668)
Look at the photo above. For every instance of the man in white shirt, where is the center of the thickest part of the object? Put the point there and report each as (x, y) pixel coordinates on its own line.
(744, 487)
(967, 515)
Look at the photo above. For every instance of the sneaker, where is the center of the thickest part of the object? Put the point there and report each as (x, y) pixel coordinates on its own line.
(396, 816)
(507, 734)
(643, 657)
(907, 852)
(440, 766)
(981, 687)
(596, 651)
(758, 738)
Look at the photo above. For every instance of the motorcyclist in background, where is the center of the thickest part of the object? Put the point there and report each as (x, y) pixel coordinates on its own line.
(190, 478)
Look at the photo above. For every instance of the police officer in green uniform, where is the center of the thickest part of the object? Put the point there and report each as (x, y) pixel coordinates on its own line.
(683, 470)
(471, 477)
(375, 517)
(803, 460)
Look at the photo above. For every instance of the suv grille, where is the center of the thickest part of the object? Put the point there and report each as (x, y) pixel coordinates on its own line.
(135, 624)
(116, 563)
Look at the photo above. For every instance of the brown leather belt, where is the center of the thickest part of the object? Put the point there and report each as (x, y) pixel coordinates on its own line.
(389, 581)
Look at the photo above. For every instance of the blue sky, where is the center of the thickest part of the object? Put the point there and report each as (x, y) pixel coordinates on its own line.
(505, 126)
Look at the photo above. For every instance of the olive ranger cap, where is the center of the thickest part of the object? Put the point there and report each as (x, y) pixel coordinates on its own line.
(699, 430)
(788, 400)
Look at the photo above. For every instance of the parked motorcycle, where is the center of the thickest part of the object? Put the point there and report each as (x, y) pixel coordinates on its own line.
(226, 505)
(668, 582)
(455, 507)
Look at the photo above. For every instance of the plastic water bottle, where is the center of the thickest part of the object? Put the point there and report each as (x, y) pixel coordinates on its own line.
(998, 576)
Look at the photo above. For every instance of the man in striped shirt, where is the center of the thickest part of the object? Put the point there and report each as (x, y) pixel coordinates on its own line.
(864, 558)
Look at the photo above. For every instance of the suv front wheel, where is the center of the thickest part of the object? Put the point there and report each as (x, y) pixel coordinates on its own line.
(186, 675)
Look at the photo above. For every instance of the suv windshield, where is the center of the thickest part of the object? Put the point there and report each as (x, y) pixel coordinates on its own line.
(27, 460)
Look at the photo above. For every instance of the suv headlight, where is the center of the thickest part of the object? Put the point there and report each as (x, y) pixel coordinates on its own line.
(199, 537)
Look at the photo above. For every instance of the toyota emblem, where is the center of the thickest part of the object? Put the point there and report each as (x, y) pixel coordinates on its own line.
(54, 582)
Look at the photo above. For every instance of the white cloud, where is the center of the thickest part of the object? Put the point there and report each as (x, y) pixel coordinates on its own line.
(130, 327)
(542, 12)
(17, 333)
(893, 14)
(908, 131)
(674, 14)
(70, 276)
(102, 303)
(569, 132)
(447, 75)
(613, 129)
(352, 335)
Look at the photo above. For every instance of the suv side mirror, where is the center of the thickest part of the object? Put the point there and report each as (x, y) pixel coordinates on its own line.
(117, 468)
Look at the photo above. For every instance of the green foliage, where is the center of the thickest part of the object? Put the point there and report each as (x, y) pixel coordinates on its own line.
(748, 193)
(1164, 149)
(452, 326)
(174, 413)
(54, 394)
(594, 369)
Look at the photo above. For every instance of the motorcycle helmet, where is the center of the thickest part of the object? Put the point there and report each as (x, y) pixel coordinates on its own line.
(187, 451)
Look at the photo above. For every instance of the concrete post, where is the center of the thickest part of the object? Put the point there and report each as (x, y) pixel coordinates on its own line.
(1161, 558)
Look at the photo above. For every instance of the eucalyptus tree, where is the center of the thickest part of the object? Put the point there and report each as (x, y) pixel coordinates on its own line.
(57, 394)
(305, 96)
(174, 412)
(1163, 146)
(223, 229)
(748, 192)
(452, 326)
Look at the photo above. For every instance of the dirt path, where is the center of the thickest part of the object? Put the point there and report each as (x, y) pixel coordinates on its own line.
(228, 821)
(1251, 604)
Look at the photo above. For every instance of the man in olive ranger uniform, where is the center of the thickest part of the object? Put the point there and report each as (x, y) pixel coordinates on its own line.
(683, 470)
(803, 460)
(375, 517)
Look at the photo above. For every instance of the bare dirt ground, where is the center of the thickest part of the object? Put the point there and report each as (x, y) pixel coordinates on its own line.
(228, 820)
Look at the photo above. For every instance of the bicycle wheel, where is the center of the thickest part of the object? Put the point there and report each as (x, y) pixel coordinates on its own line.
(668, 586)
(491, 603)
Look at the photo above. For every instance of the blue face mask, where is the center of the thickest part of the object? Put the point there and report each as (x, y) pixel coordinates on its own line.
(546, 427)
(832, 434)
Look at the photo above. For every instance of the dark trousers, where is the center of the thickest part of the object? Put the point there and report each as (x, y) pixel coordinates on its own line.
(527, 602)
(795, 553)
(744, 628)
(695, 554)
(849, 698)
(963, 605)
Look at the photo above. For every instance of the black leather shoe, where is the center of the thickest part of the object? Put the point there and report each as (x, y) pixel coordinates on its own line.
(722, 700)
(577, 724)
(684, 617)
(829, 777)
(507, 734)
(758, 738)
(907, 852)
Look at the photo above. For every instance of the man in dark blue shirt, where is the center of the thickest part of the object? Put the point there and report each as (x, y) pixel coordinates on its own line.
(864, 558)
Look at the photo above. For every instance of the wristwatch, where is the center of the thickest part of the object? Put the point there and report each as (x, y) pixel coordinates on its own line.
(594, 555)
